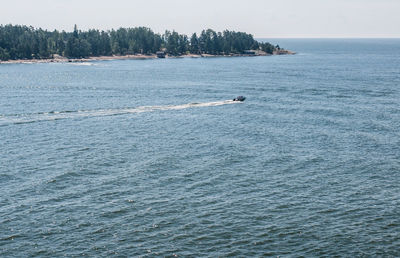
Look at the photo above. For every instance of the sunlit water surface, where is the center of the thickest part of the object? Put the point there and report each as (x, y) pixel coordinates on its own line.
(152, 158)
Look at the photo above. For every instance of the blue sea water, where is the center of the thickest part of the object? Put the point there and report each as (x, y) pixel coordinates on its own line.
(150, 158)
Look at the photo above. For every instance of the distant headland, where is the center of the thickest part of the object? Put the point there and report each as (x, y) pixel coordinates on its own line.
(23, 44)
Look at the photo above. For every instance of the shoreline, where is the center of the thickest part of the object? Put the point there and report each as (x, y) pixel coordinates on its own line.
(61, 59)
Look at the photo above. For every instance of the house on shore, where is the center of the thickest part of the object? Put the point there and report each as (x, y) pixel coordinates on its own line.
(160, 54)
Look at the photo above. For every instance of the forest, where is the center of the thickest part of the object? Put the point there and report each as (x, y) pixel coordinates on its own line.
(26, 42)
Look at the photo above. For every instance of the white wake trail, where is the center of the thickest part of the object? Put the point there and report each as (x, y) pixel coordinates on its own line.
(57, 115)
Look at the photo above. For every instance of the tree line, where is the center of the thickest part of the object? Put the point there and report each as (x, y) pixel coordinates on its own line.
(23, 42)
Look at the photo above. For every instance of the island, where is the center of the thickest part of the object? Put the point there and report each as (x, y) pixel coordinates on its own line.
(20, 43)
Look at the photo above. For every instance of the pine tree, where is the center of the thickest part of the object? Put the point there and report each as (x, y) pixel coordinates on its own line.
(22, 42)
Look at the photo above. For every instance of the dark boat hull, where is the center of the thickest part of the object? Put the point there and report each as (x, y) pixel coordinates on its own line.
(239, 98)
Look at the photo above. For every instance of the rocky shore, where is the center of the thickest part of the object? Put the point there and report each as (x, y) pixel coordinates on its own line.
(61, 59)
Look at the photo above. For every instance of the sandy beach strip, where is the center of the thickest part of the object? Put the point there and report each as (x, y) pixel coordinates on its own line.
(61, 59)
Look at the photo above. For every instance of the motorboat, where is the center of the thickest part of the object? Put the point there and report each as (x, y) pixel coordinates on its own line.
(239, 98)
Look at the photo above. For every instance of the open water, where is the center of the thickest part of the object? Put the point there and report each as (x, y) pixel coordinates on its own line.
(151, 158)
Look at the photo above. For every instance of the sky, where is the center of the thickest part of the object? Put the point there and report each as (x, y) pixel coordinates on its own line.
(262, 18)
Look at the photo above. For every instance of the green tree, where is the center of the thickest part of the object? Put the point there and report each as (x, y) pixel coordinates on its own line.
(22, 42)
(172, 42)
(194, 44)
(4, 55)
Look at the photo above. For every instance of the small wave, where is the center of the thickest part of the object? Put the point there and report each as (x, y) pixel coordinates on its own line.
(11, 237)
(70, 114)
(81, 63)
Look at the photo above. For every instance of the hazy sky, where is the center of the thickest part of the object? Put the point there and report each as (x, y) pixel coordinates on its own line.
(262, 18)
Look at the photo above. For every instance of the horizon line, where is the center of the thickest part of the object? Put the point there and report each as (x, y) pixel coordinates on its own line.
(350, 37)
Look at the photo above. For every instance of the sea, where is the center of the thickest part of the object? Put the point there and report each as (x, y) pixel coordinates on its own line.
(152, 158)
